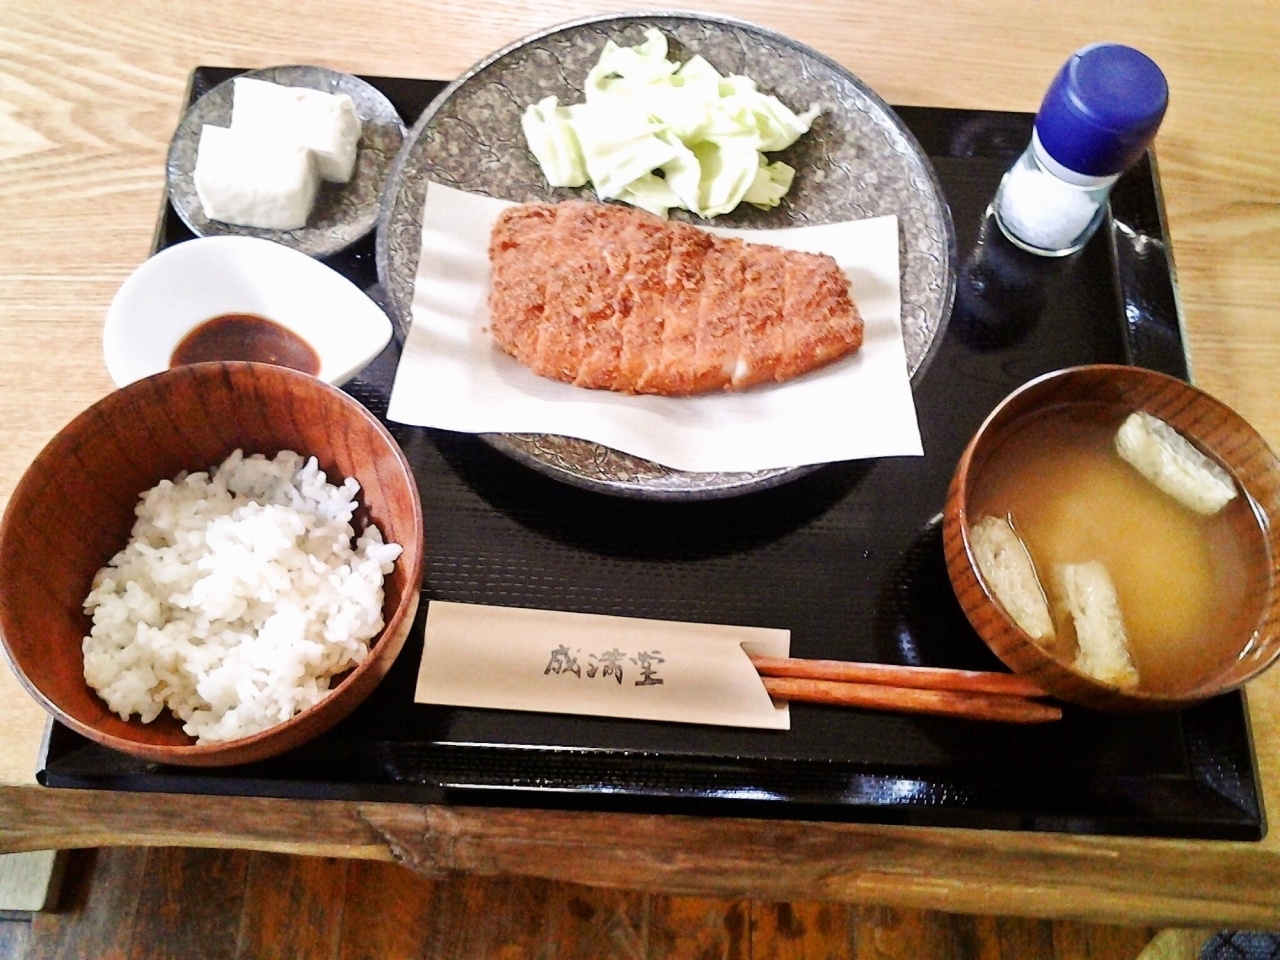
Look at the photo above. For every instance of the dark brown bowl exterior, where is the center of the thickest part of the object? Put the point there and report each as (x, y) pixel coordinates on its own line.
(1214, 428)
(74, 507)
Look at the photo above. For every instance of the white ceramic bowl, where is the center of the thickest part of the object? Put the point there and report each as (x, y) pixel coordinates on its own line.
(187, 284)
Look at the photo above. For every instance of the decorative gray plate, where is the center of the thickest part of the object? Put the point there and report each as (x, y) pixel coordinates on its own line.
(857, 161)
(343, 212)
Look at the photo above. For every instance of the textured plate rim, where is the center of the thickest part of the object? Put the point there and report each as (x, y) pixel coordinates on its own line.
(283, 236)
(734, 484)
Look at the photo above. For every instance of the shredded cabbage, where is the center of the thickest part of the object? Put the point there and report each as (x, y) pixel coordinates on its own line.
(658, 134)
(547, 131)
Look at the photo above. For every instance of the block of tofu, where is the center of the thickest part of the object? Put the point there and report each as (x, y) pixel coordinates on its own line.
(254, 182)
(1006, 566)
(1088, 594)
(324, 123)
(1172, 463)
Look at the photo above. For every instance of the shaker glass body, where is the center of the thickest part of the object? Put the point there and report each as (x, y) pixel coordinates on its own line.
(1046, 209)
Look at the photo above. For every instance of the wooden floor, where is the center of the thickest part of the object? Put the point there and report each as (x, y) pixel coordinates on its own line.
(175, 904)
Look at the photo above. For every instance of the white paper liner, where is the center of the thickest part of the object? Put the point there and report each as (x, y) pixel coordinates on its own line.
(452, 376)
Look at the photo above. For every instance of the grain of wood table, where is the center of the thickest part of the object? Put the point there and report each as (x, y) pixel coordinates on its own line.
(90, 91)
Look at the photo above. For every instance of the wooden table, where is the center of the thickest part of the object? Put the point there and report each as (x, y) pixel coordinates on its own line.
(90, 91)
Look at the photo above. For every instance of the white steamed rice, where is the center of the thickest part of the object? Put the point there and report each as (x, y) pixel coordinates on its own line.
(239, 595)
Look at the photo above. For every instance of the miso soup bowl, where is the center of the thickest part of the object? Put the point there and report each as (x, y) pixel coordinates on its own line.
(73, 510)
(1208, 424)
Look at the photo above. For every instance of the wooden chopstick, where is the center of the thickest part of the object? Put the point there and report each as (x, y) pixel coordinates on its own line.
(879, 696)
(919, 678)
(973, 694)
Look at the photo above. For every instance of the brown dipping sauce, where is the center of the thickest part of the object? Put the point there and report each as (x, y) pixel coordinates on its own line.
(245, 336)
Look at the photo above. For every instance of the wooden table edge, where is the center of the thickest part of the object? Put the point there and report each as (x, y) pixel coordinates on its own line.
(1053, 876)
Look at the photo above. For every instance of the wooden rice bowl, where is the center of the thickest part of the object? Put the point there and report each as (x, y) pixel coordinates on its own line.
(74, 507)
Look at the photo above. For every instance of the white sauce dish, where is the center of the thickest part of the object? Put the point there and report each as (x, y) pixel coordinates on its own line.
(186, 285)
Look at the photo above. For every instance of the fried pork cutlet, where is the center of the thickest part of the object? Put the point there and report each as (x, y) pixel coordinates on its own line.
(608, 297)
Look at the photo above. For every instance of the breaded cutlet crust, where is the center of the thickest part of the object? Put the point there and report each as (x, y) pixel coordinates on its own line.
(608, 297)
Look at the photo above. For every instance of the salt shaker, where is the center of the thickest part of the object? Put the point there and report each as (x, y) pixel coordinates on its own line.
(1097, 118)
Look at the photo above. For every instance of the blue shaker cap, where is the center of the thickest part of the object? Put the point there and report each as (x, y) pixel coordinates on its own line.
(1102, 109)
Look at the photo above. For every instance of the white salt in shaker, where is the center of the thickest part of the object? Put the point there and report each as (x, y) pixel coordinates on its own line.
(1098, 116)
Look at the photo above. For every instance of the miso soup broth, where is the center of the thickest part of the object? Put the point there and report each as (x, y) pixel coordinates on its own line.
(1180, 577)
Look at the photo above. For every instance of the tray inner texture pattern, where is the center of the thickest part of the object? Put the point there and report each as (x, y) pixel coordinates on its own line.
(848, 557)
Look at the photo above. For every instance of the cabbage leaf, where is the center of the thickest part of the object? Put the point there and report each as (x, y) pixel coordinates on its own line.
(658, 134)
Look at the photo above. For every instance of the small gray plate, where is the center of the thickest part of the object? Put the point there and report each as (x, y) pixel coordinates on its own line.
(857, 161)
(344, 212)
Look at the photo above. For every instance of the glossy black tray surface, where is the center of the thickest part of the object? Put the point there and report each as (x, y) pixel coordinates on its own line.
(848, 557)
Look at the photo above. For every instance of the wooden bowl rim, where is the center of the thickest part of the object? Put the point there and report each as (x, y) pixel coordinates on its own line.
(227, 751)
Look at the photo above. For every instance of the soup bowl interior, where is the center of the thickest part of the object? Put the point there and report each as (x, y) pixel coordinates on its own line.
(73, 510)
(1212, 427)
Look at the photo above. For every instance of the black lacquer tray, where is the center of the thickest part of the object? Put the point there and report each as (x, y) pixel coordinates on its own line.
(848, 557)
